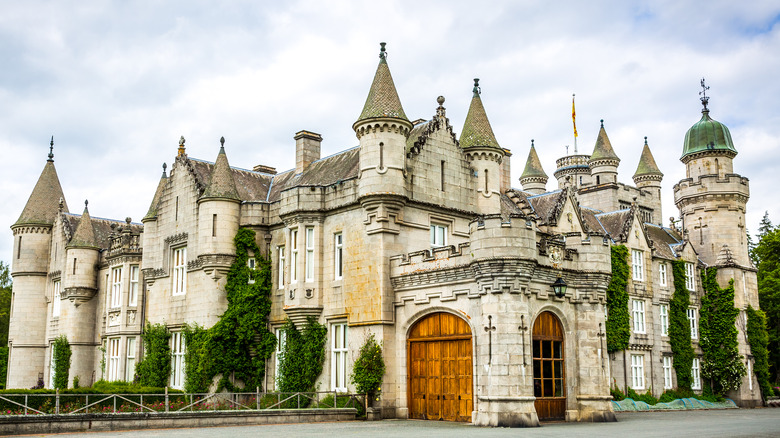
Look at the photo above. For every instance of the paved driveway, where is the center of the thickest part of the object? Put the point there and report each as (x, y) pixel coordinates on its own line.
(716, 423)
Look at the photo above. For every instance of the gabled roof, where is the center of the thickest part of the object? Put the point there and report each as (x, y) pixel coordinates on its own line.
(533, 166)
(43, 205)
(382, 100)
(617, 223)
(603, 148)
(100, 226)
(664, 240)
(476, 129)
(84, 237)
(221, 184)
(591, 221)
(647, 164)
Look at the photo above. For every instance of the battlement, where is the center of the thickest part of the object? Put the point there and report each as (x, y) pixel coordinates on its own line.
(429, 259)
(712, 184)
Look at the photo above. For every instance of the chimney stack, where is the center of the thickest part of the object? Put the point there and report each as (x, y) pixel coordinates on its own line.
(307, 149)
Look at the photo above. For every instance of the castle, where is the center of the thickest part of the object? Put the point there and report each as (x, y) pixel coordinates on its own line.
(490, 301)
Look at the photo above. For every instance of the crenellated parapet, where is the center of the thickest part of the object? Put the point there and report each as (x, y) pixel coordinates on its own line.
(382, 125)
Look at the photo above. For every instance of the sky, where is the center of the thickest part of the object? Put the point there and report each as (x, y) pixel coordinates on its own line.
(118, 82)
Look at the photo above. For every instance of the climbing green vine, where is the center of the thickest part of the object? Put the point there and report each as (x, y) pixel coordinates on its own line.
(62, 353)
(722, 364)
(302, 356)
(758, 340)
(679, 327)
(618, 329)
(155, 368)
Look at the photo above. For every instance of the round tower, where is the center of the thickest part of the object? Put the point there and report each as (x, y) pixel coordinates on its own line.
(603, 161)
(648, 178)
(218, 209)
(533, 179)
(382, 129)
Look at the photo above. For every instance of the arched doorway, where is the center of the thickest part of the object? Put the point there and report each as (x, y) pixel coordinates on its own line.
(440, 369)
(549, 370)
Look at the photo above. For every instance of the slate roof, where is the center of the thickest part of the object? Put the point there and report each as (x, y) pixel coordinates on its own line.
(84, 237)
(476, 129)
(664, 239)
(591, 221)
(603, 148)
(155, 205)
(545, 205)
(101, 228)
(382, 100)
(221, 184)
(43, 205)
(647, 164)
(533, 166)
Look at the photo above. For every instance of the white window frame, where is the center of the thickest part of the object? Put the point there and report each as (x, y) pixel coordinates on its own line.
(439, 235)
(132, 298)
(281, 340)
(690, 278)
(637, 265)
(637, 371)
(638, 315)
(692, 321)
(339, 350)
(178, 348)
(667, 365)
(750, 374)
(114, 356)
(51, 365)
(695, 368)
(309, 261)
(180, 271)
(251, 263)
(663, 316)
(662, 277)
(116, 287)
(293, 256)
(338, 256)
(282, 259)
(56, 300)
(130, 359)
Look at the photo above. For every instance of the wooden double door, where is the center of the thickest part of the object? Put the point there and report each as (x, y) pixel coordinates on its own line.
(440, 369)
(549, 371)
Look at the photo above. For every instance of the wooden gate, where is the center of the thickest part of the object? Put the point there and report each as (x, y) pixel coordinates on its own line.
(440, 369)
(549, 372)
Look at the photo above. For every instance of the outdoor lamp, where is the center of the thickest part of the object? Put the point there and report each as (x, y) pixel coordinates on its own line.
(559, 287)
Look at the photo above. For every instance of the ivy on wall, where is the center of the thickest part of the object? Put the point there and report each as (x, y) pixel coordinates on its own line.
(679, 327)
(722, 364)
(617, 325)
(302, 356)
(155, 368)
(62, 353)
(758, 339)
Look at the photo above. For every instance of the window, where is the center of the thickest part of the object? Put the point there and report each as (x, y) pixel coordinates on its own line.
(690, 280)
(74, 265)
(663, 313)
(214, 225)
(438, 235)
(130, 365)
(442, 175)
(113, 359)
(695, 374)
(338, 254)
(251, 263)
(56, 300)
(180, 271)
(662, 274)
(294, 256)
(177, 360)
(692, 321)
(637, 371)
(116, 288)
(51, 366)
(309, 254)
(281, 340)
(637, 263)
(667, 372)
(338, 370)
(750, 374)
(132, 299)
(19, 249)
(638, 313)
(280, 250)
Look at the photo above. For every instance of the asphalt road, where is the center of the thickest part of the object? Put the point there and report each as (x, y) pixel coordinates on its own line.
(707, 424)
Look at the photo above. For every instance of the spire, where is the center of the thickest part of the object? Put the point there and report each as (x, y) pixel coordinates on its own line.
(647, 164)
(603, 149)
(382, 100)
(43, 204)
(84, 237)
(533, 167)
(221, 183)
(152, 213)
(476, 129)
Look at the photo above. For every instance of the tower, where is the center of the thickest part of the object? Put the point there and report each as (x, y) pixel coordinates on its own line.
(648, 177)
(29, 269)
(533, 179)
(603, 161)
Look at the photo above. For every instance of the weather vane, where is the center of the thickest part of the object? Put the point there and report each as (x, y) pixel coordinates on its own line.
(477, 90)
(703, 93)
(382, 51)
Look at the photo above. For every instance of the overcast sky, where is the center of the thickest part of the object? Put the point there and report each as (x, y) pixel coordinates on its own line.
(117, 83)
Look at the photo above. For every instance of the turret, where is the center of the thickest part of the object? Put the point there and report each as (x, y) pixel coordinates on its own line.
(603, 161)
(484, 153)
(382, 129)
(150, 234)
(648, 178)
(533, 179)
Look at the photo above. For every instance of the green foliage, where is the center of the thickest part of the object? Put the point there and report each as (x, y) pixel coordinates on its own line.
(679, 327)
(617, 394)
(302, 356)
(722, 363)
(3, 366)
(239, 344)
(647, 397)
(767, 253)
(5, 315)
(76, 382)
(369, 368)
(62, 355)
(758, 340)
(618, 328)
(155, 368)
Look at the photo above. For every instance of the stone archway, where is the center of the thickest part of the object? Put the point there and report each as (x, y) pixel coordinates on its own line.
(440, 368)
(549, 369)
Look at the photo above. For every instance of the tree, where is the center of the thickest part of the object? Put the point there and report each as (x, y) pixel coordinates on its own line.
(62, 353)
(5, 314)
(369, 368)
(765, 226)
(768, 254)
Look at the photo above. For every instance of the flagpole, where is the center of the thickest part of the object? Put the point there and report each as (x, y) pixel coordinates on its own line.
(574, 123)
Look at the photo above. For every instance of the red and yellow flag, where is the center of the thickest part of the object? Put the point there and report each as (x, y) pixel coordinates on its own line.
(573, 116)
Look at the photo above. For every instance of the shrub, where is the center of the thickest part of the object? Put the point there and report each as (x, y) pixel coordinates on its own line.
(369, 368)
(62, 355)
(155, 368)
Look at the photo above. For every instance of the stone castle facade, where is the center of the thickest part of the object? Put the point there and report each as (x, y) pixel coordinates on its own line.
(416, 236)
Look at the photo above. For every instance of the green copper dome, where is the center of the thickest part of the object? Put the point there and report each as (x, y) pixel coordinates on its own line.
(707, 135)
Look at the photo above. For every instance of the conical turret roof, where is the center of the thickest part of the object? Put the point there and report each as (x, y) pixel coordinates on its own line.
(647, 164)
(152, 213)
(603, 149)
(221, 183)
(43, 205)
(476, 129)
(533, 167)
(382, 100)
(84, 237)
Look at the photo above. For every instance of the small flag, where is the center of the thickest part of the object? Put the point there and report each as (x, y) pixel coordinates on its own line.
(573, 116)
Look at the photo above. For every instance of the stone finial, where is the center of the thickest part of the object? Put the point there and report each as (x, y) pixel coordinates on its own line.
(441, 111)
(222, 141)
(477, 90)
(61, 205)
(645, 140)
(51, 149)
(181, 146)
(128, 220)
(382, 51)
(725, 256)
(602, 123)
(165, 166)
(86, 203)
